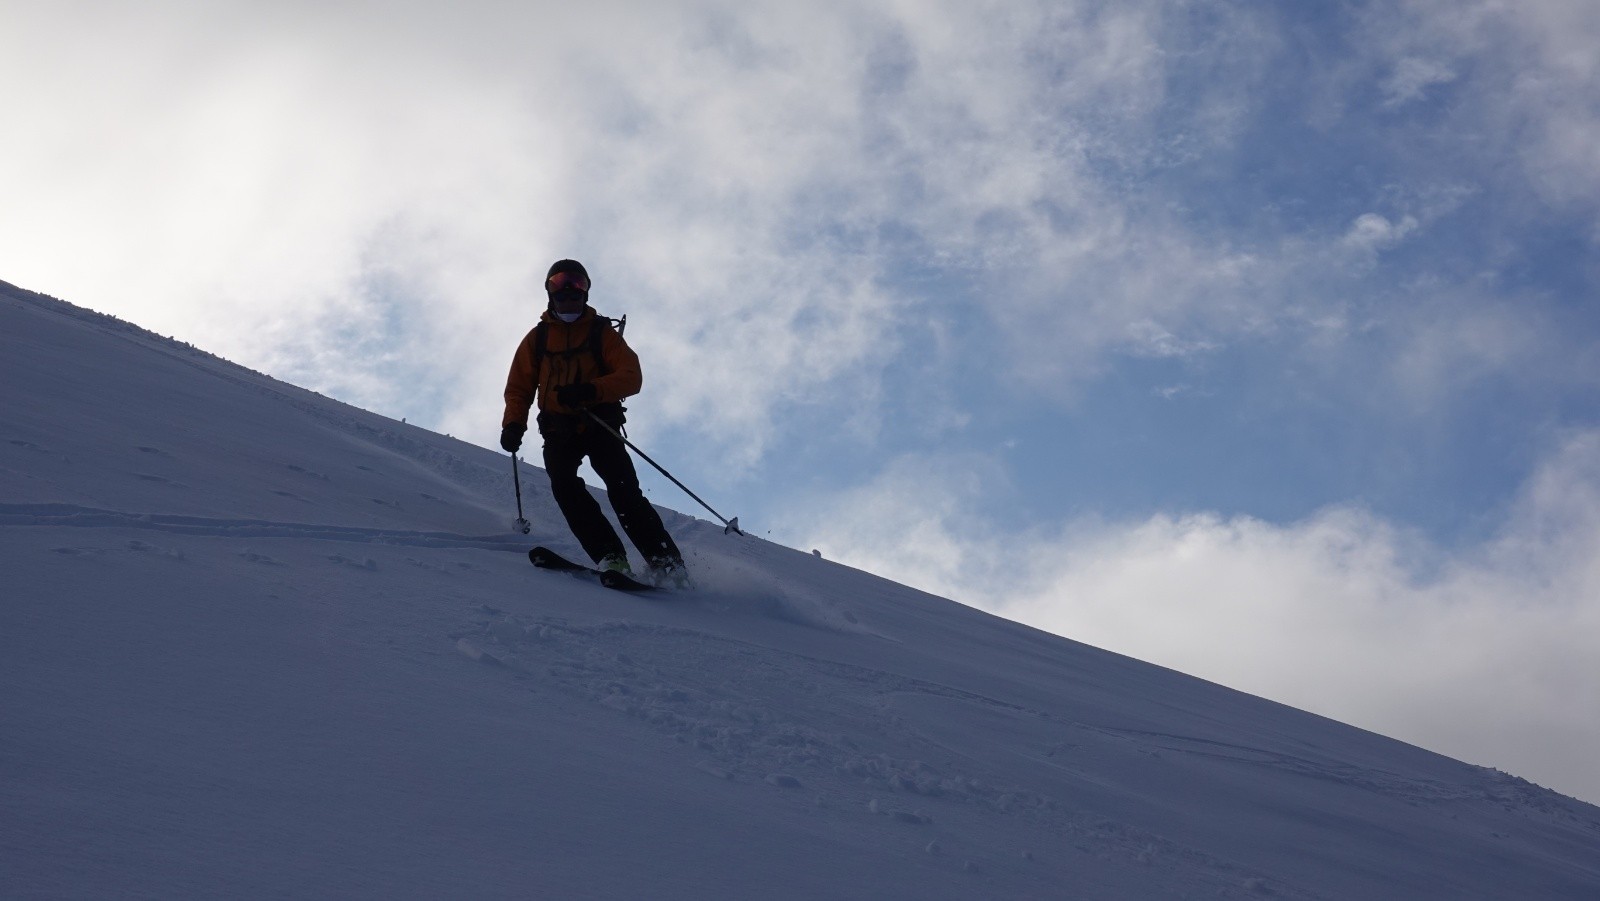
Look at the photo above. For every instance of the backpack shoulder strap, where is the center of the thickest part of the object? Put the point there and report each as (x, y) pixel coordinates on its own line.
(539, 337)
(602, 324)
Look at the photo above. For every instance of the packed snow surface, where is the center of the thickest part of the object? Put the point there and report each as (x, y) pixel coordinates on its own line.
(257, 643)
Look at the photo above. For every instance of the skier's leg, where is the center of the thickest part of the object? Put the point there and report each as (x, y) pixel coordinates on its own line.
(563, 452)
(611, 462)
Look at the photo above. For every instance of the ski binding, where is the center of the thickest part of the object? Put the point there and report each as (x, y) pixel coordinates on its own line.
(544, 558)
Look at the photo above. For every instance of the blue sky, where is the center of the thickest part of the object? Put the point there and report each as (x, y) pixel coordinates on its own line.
(1230, 335)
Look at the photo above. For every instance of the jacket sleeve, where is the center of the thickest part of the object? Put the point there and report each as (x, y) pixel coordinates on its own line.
(624, 378)
(521, 384)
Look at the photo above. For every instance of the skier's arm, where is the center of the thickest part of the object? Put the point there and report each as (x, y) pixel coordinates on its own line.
(521, 384)
(624, 378)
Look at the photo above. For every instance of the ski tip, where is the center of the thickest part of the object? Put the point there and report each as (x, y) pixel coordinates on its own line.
(732, 527)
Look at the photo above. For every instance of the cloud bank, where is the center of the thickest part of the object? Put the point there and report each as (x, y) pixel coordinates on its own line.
(760, 186)
(1484, 652)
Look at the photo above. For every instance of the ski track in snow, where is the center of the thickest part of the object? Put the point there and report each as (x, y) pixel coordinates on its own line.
(86, 517)
(850, 755)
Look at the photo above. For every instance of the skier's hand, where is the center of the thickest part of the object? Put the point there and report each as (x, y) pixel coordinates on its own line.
(511, 436)
(575, 397)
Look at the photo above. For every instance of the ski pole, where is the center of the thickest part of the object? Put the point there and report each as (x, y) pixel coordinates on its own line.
(728, 525)
(522, 524)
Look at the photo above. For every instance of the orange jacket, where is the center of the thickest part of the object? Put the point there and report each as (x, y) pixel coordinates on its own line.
(568, 360)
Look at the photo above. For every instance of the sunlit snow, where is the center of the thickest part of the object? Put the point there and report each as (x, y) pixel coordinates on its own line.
(257, 643)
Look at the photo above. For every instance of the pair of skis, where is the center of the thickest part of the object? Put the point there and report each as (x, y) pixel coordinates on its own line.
(544, 558)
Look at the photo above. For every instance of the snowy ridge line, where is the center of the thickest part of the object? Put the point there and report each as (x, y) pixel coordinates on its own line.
(1491, 785)
(172, 348)
(90, 517)
(331, 411)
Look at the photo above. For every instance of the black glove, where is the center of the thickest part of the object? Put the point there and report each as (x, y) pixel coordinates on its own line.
(575, 397)
(511, 436)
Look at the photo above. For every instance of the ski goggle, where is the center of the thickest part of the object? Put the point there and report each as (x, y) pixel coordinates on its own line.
(564, 280)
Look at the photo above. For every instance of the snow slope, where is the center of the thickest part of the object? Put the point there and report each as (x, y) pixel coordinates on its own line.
(254, 642)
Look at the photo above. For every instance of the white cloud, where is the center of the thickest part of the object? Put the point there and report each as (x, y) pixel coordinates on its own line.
(1450, 351)
(728, 174)
(242, 187)
(746, 183)
(1372, 232)
(1483, 653)
(1411, 79)
(1523, 79)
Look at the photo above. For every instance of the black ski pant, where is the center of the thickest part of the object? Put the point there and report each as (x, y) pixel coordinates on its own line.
(567, 440)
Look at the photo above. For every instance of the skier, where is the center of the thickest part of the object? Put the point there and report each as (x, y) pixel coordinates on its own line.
(577, 364)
